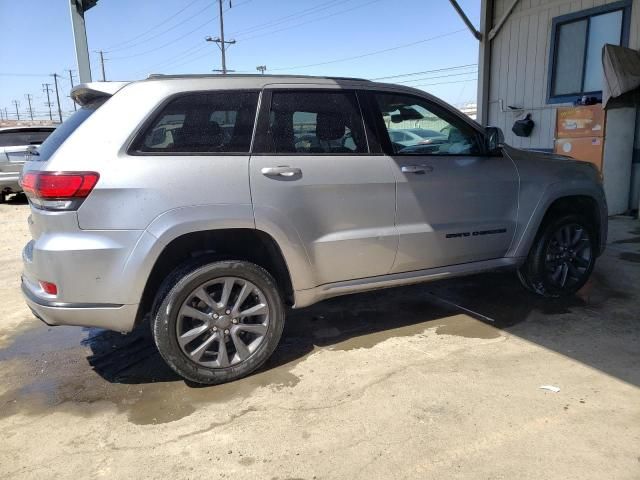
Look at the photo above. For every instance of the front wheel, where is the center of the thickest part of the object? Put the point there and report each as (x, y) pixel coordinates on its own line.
(219, 321)
(561, 258)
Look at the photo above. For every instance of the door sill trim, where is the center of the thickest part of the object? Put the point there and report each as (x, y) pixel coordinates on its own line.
(310, 296)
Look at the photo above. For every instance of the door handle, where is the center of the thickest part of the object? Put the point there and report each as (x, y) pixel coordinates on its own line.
(419, 169)
(282, 171)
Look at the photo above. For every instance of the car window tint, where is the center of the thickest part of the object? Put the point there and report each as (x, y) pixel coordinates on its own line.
(416, 127)
(64, 131)
(203, 122)
(309, 122)
(20, 138)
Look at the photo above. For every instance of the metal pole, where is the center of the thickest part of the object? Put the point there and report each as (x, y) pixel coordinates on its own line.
(466, 20)
(104, 78)
(222, 44)
(71, 82)
(17, 104)
(55, 81)
(46, 88)
(29, 97)
(80, 40)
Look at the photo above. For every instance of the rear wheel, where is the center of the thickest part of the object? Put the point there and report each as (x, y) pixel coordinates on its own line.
(218, 322)
(561, 258)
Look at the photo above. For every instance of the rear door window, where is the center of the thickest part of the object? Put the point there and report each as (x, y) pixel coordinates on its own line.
(208, 122)
(315, 122)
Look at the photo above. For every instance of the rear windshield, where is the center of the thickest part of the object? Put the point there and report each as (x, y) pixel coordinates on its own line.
(57, 138)
(18, 138)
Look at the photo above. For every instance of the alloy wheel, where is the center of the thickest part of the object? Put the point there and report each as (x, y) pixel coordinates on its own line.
(569, 256)
(222, 322)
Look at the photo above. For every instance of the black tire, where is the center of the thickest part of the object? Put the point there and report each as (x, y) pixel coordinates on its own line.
(177, 288)
(547, 256)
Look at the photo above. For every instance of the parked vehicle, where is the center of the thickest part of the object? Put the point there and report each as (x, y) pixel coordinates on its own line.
(414, 136)
(213, 236)
(14, 142)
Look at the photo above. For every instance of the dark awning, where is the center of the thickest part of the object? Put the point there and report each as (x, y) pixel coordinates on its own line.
(621, 76)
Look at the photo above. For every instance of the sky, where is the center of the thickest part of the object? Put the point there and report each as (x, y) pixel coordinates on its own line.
(356, 38)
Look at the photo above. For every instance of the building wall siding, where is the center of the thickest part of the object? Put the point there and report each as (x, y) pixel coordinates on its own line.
(519, 64)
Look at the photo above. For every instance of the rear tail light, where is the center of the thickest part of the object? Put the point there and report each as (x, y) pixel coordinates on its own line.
(49, 287)
(58, 190)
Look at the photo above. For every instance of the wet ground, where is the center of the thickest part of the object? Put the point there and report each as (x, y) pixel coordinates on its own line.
(438, 380)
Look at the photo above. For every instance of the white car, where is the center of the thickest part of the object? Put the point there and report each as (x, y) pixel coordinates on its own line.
(416, 136)
(14, 142)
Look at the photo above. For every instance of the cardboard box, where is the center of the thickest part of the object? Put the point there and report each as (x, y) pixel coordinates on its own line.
(588, 149)
(583, 121)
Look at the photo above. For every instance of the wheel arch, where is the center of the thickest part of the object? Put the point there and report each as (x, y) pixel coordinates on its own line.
(580, 203)
(247, 244)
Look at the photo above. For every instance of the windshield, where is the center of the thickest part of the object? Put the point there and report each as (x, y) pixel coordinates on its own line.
(57, 138)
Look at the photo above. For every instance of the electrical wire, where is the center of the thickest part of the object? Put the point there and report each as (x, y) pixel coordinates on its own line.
(163, 32)
(171, 42)
(427, 71)
(385, 50)
(475, 72)
(260, 35)
(286, 18)
(116, 46)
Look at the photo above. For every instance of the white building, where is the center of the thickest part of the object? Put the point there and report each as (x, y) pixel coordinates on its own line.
(539, 55)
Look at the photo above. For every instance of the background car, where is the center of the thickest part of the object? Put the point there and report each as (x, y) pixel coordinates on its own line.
(14, 142)
(414, 136)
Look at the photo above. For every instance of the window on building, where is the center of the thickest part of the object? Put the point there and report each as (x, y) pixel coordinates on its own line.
(576, 55)
(220, 122)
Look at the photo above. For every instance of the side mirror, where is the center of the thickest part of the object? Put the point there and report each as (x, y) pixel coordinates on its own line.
(494, 139)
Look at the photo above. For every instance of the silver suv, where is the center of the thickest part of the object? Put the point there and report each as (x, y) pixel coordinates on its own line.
(210, 204)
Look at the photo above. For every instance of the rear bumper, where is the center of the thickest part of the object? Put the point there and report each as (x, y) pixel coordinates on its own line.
(9, 182)
(112, 317)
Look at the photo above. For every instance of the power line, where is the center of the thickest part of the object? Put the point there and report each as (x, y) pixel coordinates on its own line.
(279, 20)
(163, 32)
(355, 57)
(427, 71)
(169, 18)
(24, 74)
(308, 21)
(443, 83)
(438, 76)
(175, 39)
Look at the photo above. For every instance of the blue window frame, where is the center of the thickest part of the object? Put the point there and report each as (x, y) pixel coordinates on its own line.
(575, 66)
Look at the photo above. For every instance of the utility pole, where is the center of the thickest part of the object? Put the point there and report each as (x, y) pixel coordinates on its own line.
(261, 68)
(46, 87)
(17, 104)
(55, 81)
(6, 114)
(71, 82)
(28, 96)
(104, 79)
(220, 41)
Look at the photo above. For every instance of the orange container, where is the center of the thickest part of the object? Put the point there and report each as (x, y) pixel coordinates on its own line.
(583, 121)
(589, 149)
